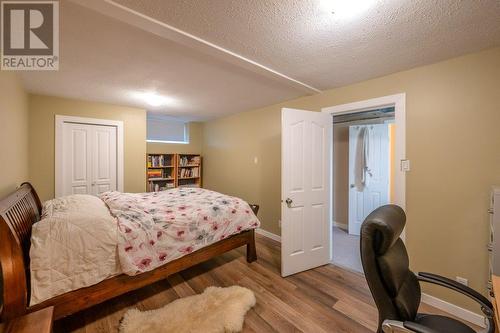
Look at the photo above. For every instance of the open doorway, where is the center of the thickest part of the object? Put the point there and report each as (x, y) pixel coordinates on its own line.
(363, 176)
(391, 112)
(306, 184)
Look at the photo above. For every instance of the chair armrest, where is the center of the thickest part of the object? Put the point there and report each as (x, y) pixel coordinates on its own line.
(414, 327)
(486, 305)
(394, 326)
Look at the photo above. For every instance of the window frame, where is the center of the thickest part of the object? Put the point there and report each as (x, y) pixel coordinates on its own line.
(166, 119)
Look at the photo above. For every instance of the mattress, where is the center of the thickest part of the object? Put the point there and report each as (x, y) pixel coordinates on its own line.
(82, 240)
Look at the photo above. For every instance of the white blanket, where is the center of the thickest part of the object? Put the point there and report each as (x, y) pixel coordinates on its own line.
(73, 246)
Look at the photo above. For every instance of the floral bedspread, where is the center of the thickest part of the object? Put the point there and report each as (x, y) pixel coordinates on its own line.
(158, 227)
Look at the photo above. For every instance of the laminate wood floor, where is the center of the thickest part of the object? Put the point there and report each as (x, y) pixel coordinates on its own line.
(325, 299)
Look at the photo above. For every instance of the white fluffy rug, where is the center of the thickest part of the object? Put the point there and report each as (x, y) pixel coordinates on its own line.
(217, 310)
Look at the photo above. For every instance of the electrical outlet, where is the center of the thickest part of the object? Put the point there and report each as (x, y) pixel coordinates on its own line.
(462, 280)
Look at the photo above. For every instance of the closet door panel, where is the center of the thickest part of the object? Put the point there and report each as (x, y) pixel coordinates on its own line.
(77, 159)
(103, 159)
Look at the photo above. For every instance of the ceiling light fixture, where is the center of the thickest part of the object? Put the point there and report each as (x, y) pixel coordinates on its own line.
(153, 98)
(346, 8)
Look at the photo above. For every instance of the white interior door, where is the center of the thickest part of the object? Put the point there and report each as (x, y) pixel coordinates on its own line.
(306, 190)
(103, 159)
(89, 159)
(376, 190)
(77, 157)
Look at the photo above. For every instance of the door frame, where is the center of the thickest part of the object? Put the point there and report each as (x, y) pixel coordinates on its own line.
(398, 101)
(60, 120)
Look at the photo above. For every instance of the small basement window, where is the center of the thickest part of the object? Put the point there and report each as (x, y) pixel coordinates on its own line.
(166, 129)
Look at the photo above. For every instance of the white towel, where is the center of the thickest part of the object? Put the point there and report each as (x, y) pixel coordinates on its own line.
(361, 159)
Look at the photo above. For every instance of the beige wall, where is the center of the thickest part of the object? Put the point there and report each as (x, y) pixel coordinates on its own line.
(341, 174)
(453, 112)
(13, 133)
(195, 145)
(42, 111)
(230, 146)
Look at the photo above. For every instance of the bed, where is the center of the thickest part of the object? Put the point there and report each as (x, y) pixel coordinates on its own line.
(21, 210)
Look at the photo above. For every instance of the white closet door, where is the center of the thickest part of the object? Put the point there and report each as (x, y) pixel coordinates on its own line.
(376, 191)
(89, 155)
(76, 173)
(103, 159)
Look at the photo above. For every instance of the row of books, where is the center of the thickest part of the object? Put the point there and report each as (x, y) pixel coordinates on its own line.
(189, 172)
(155, 161)
(155, 187)
(159, 173)
(189, 160)
(189, 185)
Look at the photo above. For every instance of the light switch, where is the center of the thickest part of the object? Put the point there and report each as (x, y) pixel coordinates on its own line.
(405, 165)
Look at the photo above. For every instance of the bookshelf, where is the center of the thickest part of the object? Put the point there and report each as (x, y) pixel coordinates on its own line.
(188, 170)
(167, 171)
(161, 172)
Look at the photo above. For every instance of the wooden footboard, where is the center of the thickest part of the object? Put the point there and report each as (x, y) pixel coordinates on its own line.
(20, 210)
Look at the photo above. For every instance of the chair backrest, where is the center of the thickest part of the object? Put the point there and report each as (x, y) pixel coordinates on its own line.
(394, 287)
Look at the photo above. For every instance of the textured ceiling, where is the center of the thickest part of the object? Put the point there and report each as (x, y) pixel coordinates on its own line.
(105, 59)
(308, 43)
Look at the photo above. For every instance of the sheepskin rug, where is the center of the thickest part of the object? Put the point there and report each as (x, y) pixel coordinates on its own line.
(216, 310)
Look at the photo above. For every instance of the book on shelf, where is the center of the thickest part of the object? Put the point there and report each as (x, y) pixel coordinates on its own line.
(155, 161)
(189, 160)
(155, 173)
(155, 187)
(152, 187)
(191, 185)
(167, 186)
(189, 172)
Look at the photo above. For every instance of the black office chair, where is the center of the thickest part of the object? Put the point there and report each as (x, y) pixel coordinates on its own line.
(396, 289)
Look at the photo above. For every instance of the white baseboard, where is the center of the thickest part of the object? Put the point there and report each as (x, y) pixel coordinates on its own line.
(455, 310)
(452, 309)
(340, 225)
(268, 234)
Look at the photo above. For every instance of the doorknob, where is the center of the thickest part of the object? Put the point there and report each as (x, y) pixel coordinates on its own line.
(289, 202)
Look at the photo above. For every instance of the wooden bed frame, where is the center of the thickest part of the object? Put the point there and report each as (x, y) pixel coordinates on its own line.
(21, 209)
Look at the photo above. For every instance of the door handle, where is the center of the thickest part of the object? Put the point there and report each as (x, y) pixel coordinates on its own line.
(289, 202)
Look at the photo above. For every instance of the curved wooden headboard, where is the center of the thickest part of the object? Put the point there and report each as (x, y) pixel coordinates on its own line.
(18, 212)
